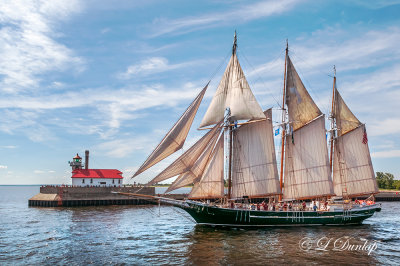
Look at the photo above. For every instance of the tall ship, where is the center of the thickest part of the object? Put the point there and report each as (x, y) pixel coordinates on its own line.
(233, 168)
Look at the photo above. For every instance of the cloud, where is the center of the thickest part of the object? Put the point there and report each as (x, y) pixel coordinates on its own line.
(387, 126)
(122, 147)
(151, 66)
(377, 4)
(39, 171)
(240, 14)
(386, 154)
(28, 47)
(3, 166)
(8, 147)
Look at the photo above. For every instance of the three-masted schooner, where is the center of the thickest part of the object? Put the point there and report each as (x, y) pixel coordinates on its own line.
(243, 155)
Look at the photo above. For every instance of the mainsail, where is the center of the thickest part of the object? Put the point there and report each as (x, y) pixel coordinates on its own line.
(211, 184)
(353, 173)
(234, 92)
(186, 161)
(194, 174)
(255, 172)
(176, 137)
(307, 171)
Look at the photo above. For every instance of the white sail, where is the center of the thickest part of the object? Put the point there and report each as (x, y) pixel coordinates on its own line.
(255, 172)
(301, 106)
(186, 161)
(233, 92)
(307, 171)
(211, 184)
(353, 173)
(194, 174)
(176, 137)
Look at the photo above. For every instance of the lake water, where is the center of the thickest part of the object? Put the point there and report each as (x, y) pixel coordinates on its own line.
(145, 235)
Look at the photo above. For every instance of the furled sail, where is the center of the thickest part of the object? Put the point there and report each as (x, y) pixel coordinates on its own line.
(194, 174)
(353, 173)
(186, 161)
(176, 137)
(255, 172)
(211, 184)
(345, 119)
(234, 92)
(307, 171)
(301, 106)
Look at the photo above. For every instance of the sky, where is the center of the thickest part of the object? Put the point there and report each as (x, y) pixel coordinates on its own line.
(113, 76)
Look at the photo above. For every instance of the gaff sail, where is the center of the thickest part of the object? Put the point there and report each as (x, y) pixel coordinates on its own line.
(353, 173)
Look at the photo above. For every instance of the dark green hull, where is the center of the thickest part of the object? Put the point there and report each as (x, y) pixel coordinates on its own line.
(213, 215)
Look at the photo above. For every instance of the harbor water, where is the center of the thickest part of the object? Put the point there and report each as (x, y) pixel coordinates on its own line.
(145, 235)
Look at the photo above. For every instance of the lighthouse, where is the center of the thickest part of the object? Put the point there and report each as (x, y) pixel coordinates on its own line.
(76, 162)
(93, 177)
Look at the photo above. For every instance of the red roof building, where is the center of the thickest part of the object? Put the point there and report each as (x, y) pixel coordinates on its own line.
(97, 173)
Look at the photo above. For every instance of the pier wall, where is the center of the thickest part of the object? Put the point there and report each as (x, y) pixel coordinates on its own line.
(67, 196)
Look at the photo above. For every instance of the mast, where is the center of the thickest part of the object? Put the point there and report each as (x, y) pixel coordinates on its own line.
(228, 136)
(332, 117)
(283, 121)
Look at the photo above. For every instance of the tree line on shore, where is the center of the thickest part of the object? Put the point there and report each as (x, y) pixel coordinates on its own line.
(387, 181)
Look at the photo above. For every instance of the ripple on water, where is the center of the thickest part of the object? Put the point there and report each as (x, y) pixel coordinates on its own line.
(151, 235)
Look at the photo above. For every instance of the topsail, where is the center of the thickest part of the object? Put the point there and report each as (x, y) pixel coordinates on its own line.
(233, 92)
(176, 137)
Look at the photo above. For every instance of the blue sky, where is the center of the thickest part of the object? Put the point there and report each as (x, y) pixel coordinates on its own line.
(113, 76)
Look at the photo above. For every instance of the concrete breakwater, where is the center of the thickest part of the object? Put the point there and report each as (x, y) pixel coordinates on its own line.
(68, 196)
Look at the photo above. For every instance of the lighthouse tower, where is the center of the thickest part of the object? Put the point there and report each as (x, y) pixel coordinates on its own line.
(76, 162)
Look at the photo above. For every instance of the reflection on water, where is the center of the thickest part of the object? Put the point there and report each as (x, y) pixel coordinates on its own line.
(167, 235)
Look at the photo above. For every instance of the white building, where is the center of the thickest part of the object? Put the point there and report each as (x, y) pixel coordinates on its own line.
(93, 177)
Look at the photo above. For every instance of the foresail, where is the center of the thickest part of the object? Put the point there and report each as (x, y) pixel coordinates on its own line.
(211, 184)
(353, 173)
(255, 172)
(307, 171)
(176, 137)
(345, 119)
(234, 92)
(193, 175)
(188, 158)
(301, 106)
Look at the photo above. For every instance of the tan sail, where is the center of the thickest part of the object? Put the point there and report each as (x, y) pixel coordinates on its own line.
(194, 174)
(301, 106)
(186, 161)
(353, 173)
(255, 172)
(233, 92)
(211, 184)
(176, 137)
(307, 171)
(345, 119)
